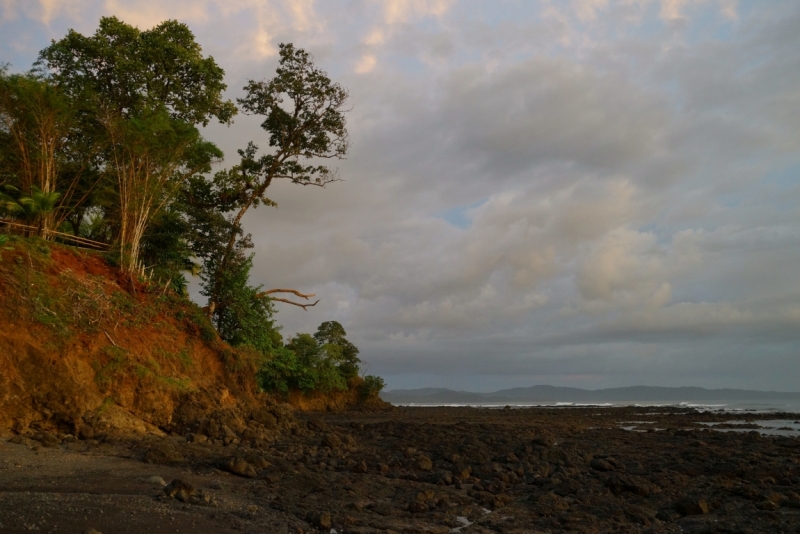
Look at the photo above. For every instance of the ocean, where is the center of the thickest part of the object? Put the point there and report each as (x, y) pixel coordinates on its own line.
(738, 406)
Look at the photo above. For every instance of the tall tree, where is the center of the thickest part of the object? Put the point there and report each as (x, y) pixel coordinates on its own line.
(152, 155)
(342, 353)
(36, 120)
(144, 93)
(303, 114)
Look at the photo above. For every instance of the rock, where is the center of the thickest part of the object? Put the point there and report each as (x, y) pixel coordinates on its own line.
(257, 461)
(550, 504)
(319, 519)
(332, 440)
(284, 413)
(640, 514)
(417, 507)
(792, 500)
(49, 440)
(203, 499)
(92, 531)
(667, 516)
(691, 506)
(163, 453)
(424, 463)
(768, 505)
(239, 466)
(228, 435)
(197, 438)
(463, 474)
(424, 496)
(180, 490)
(265, 417)
(633, 484)
(568, 487)
(156, 481)
(316, 425)
(543, 440)
(600, 464)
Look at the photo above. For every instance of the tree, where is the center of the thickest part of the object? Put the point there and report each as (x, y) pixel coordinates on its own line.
(40, 206)
(152, 155)
(319, 370)
(132, 70)
(344, 355)
(143, 93)
(36, 121)
(246, 320)
(303, 114)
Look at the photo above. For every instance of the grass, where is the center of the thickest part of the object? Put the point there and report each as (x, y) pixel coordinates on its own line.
(120, 365)
(180, 384)
(181, 356)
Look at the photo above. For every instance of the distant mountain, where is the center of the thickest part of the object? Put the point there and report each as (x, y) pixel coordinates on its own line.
(550, 394)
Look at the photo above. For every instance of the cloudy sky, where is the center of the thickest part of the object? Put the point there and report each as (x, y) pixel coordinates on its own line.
(591, 193)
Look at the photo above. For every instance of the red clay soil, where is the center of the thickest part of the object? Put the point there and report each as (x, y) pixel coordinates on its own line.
(84, 346)
(77, 343)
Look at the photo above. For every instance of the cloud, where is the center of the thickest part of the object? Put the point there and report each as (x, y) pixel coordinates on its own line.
(43, 10)
(366, 64)
(265, 20)
(400, 11)
(626, 173)
(396, 16)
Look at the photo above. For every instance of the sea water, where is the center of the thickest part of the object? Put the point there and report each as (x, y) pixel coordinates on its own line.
(738, 406)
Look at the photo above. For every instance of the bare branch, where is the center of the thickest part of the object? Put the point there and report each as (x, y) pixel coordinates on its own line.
(304, 306)
(293, 291)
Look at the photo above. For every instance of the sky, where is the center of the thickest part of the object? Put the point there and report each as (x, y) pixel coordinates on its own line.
(587, 193)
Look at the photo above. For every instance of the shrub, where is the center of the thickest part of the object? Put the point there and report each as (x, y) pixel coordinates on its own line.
(371, 386)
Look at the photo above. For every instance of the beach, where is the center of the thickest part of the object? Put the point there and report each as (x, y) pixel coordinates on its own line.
(412, 469)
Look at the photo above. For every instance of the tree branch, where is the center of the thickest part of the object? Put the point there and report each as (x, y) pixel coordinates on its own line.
(293, 291)
(304, 306)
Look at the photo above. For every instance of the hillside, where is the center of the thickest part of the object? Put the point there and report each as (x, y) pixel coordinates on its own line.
(83, 350)
(552, 394)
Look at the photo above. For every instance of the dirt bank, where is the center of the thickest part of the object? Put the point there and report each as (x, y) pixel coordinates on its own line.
(86, 351)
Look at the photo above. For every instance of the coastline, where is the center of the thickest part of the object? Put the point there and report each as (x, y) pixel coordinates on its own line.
(426, 470)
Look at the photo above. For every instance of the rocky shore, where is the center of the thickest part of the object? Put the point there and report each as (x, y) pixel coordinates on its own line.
(410, 470)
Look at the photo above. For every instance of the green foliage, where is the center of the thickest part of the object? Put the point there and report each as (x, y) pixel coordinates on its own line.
(131, 169)
(9, 205)
(196, 322)
(135, 70)
(142, 94)
(118, 361)
(165, 249)
(338, 350)
(303, 114)
(372, 386)
(322, 362)
(245, 318)
(282, 372)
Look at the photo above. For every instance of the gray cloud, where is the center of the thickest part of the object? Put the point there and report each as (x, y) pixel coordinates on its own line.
(626, 180)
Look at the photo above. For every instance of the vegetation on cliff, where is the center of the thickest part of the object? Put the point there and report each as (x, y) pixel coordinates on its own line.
(100, 147)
